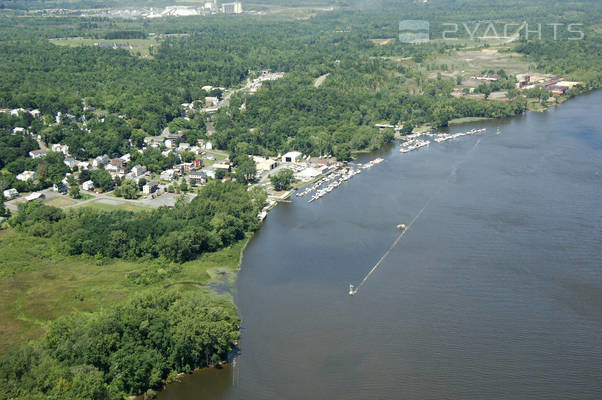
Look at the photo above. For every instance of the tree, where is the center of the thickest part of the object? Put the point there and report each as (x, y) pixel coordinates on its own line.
(128, 189)
(84, 176)
(4, 212)
(220, 174)
(283, 179)
(246, 169)
(102, 179)
(74, 192)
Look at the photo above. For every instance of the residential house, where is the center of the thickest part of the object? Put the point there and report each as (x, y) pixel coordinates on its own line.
(138, 171)
(197, 163)
(37, 153)
(60, 148)
(198, 176)
(27, 176)
(184, 167)
(88, 185)
(100, 161)
(69, 161)
(209, 173)
(10, 194)
(117, 165)
(211, 101)
(18, 129)
(150, 188)
(168, 175)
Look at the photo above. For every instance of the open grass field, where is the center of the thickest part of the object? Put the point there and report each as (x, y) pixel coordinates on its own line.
(109, 205)
(137, 46)
(59, 202)
(466, 62)
(38, 285)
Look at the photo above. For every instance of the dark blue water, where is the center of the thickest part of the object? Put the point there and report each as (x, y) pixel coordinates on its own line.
(494, 293)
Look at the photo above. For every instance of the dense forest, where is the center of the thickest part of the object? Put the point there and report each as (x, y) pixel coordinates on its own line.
(126, 349)
(219, 216)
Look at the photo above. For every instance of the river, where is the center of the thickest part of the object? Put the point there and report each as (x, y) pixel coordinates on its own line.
(495, 291)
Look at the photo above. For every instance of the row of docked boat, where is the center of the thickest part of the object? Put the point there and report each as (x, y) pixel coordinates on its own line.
(345, 175)
(449, 136)
(372, 163)
(328, 183)
(312, 188)
(413, 144)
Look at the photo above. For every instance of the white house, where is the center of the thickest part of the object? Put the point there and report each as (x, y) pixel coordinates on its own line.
(27, 176)
(69, 161)
(100, 161)
(37, 153)
(10, 194)
(88, 185)
(18, 129)
(138, 170)
(60, 148)
(184, 146)
(292, 157)
(210, 173)
(211, 101)
(150, 188)
(168, 175)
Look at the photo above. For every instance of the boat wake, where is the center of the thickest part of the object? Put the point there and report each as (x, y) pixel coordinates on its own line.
(353, 290)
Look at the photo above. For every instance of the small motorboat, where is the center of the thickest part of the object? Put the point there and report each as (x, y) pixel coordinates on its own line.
(402, 227)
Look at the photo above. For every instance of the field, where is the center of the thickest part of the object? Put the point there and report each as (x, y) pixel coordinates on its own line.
(37, 285)
(473, 61)
(109, 204)
(139, 47)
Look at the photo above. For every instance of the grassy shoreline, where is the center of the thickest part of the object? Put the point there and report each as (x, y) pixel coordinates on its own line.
(38, 285)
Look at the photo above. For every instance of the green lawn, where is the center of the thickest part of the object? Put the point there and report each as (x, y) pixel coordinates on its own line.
(38, 285)
(117, 205)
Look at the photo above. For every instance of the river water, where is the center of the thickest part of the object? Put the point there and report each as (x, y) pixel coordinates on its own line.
(495, 291)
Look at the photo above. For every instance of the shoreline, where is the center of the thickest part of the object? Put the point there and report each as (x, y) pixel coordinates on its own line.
(252, 235)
